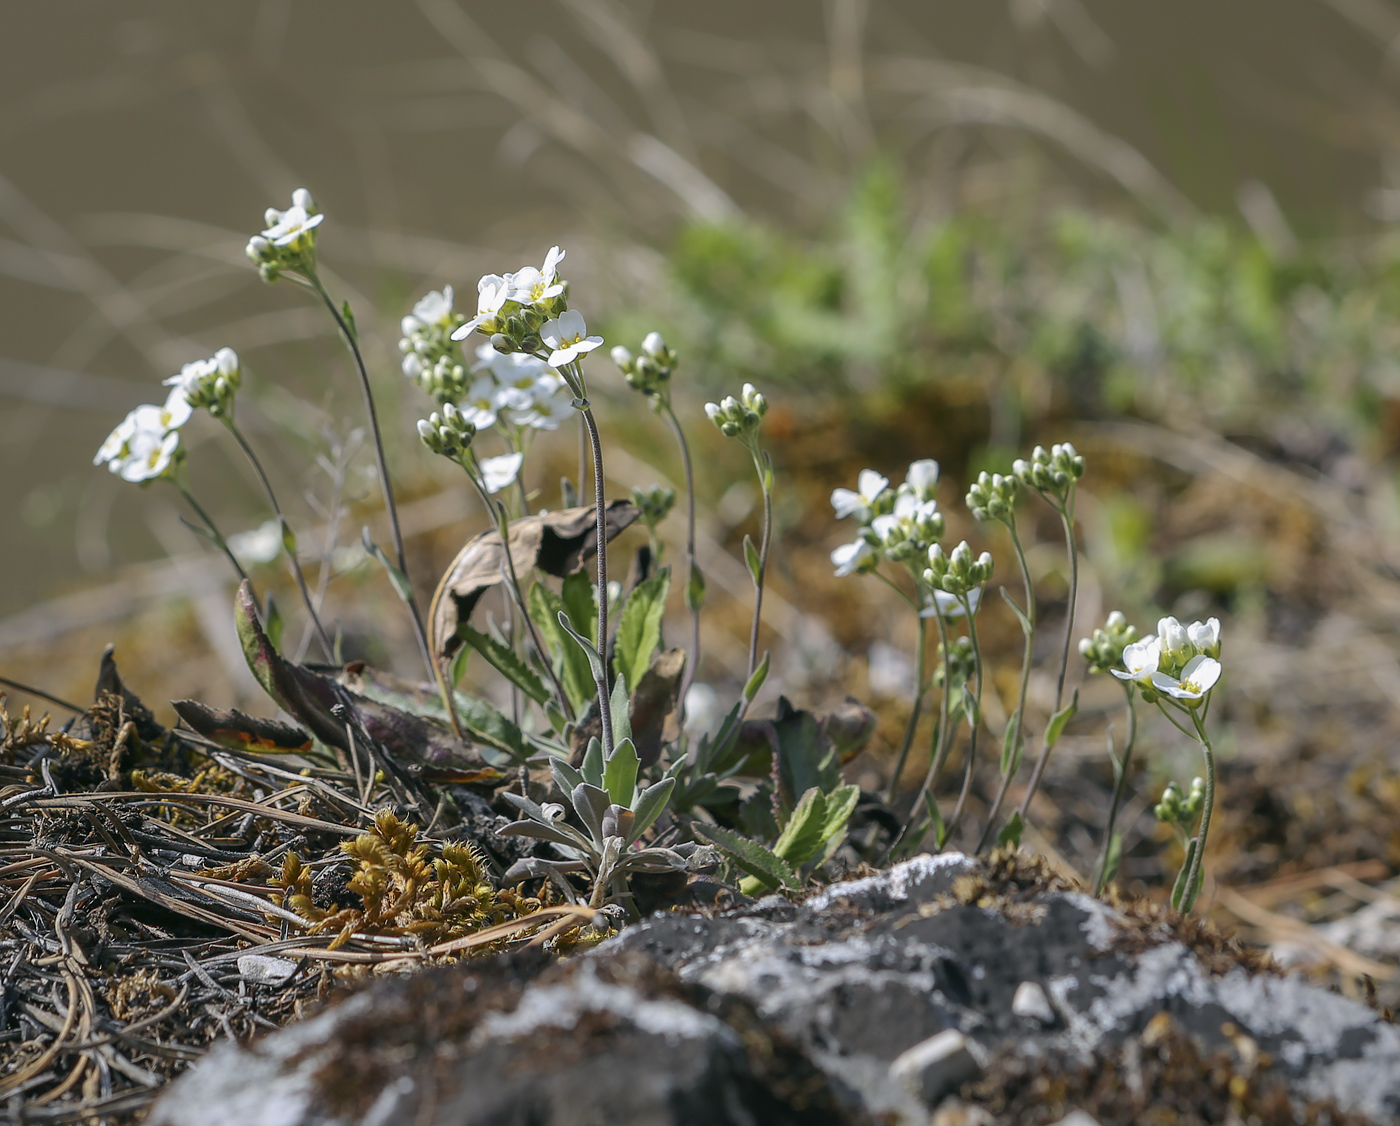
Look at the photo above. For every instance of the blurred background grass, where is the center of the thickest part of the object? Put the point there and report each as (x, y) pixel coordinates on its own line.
(946, 229)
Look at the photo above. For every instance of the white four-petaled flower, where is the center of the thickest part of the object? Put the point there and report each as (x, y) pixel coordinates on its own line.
(500, 472)
(922, 479)
(1141, 659)
(1197, 679)
(568, 337)
(949, 606)
(1205, 636)
(529, 285)
(851, 557)
(491, 293)
(869, 485)
(290, 225)
(433, 309)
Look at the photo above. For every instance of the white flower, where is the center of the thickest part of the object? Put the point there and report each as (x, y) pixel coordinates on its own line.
(851, 557)
(869, 485)
(1141, 659)
(285, 227)
(115, 445)
(150, 450)
(434, 308)
(1197, 678)
(922, 478)
(949, 606)
(569, 338)
(262, 544)
(1205, 636)
(192, 375)
(491, 293)
(482, 403)
(176, 411)
(530, 285)
(553, 404)
(1176, 642)
(500, 472)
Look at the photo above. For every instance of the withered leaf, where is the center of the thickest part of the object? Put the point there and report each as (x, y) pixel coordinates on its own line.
(241, 732)
(558, 543)
(424, 747)
(654, 719)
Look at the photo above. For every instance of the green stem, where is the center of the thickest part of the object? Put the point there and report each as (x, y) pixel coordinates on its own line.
(325, 641)
(214, 533)
(604, 700)
(764, 480)
(974, 723)
(915, 711)
(942, 739)
(352, 342)
(692, 665)
(1119, 789)
(1066, 512)
(1193, 875)
(1020, 713)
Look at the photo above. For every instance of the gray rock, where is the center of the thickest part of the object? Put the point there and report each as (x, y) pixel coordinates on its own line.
(778, 1013)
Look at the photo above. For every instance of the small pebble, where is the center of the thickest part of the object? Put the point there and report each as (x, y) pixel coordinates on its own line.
(263, 970)
(935, 1067)
(1077, 1118)
(1031, 1003)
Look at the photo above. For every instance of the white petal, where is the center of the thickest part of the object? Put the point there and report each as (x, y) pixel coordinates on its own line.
(870, 484)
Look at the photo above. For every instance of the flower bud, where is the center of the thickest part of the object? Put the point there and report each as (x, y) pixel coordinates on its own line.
(622, 357)
(302, 198)
(653, 345)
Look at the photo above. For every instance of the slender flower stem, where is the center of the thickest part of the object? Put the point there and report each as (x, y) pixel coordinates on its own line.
(915, 710)
(604, 700)
(325, 641)
(974, 722)
(1193, 875)
(942, 738)
(214, 533)
(765, 478)
(1020, 714)
(693, 664)
(1067, 520)
(497, 513)
(352, 342)
(1120, 787)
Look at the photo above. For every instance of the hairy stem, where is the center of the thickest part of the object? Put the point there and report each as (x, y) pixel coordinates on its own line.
(1188, 900)
(1119, 788)
(604, 701)
(325, 641)
(352, 342)
(1067, 520)
(214, 533)
(942, 737)
(915, 711)
(974, 722)
(1020, 713)
(693, 664)
(764, 480)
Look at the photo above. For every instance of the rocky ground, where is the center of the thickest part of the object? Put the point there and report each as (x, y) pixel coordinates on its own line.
(943, 990)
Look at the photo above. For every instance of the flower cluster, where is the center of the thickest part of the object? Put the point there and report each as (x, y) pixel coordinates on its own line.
(447, 433)
(649, 373)
(514, 309)
(289, 240)
(739, 418)
(516, 389)
(430, 358)
(1178, 661)
(1105, 648)
(895, 524)
(145, 446)
(653, 504)
(1177, 808)
(957, 573)
(210, 384)
(993, 497)
(1051, 474)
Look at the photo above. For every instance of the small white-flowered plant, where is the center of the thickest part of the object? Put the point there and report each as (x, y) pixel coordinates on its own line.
(854, 558)
(1140, 660)
(530, 286)
(568, 337)
(860, 504)
(1197, 678)
(498, 473)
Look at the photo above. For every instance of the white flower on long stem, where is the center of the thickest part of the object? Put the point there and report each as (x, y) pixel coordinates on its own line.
(1205, 636)
(290, 225)
(115, 445)
(922, 479)
(568, 336)
(949, 606)
(498, 473)
(1141, 659)
(262, 544)
(1197, 678)
(529, 285)
(491, 293)
(150, 451)
(553, 404)
(852, 557)
(434, 309)
(869, 485)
